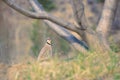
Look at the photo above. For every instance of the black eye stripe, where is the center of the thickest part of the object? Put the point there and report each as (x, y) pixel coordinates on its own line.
(48, 43)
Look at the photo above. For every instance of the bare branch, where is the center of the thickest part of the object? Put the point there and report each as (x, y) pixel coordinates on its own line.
(79, 45)
(65, 34)
(42, 15)
(78, 9)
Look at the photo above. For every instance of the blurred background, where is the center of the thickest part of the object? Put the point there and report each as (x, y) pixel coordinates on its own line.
(21, 37)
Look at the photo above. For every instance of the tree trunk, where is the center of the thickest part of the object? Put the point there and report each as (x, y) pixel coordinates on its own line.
(106, 20)
(96, 40)
(87, 34)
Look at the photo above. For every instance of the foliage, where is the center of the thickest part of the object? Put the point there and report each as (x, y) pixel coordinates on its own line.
(114, 46)
(47, 4)
(90, 66)
(64, 46)
(35, 38)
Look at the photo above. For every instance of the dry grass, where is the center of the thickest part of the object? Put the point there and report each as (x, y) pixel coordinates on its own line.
(92, 66)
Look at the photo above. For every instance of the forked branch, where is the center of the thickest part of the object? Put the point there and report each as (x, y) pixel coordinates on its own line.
(59, 26)
(64, 33)
(78, 10)
(42, 15)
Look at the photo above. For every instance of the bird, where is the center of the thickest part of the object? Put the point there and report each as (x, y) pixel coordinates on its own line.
(46, 51)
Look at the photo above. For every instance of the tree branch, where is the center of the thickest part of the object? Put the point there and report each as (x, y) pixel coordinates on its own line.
(78, 9)
(65, 34)
(42, 15)
(48, 19)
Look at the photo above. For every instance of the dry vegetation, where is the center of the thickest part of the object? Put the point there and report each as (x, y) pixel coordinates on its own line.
(91, 66)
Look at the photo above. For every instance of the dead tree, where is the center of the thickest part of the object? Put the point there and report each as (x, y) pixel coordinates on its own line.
(91, 39)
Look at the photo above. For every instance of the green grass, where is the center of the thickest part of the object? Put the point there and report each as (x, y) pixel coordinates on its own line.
(91, 66)
(113, 46)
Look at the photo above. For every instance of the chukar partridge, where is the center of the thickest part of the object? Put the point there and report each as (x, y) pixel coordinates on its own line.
(46, 51)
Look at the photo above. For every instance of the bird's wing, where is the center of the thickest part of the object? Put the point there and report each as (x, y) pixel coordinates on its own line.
(50, 51)
(42, 52)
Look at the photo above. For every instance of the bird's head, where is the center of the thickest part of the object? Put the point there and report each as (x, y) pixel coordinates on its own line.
(49, 41)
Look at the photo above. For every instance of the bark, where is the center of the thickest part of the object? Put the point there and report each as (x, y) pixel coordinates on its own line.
(106, 21)
(78, 10)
